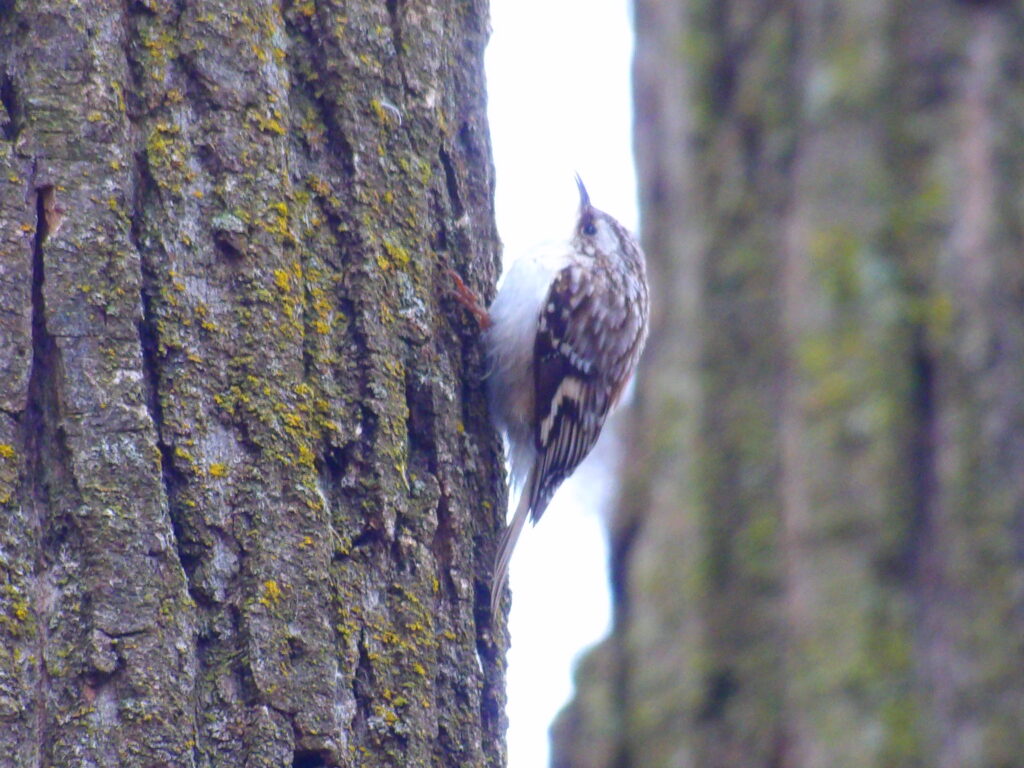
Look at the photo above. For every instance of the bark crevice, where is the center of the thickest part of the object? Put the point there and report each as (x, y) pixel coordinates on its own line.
(451, 182)
(38, 420)
(304, 758)
(45, 440)
(10, 118)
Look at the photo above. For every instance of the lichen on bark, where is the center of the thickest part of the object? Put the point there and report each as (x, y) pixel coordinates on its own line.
(249, 483)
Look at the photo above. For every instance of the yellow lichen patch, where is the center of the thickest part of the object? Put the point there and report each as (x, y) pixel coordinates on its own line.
(161, 48)
(397, 254)
(277, 222)
(282, 280)
(14, 611)
(271, 593)
(270, 125)
(205, 322)
(6, 451)
(382, 113)
(218, 469)
(166, 153)
(385, 713)
(318, 185)
(306, 456)
(119, 93)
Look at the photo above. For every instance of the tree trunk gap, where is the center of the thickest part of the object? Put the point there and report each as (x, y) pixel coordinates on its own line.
(249, 488)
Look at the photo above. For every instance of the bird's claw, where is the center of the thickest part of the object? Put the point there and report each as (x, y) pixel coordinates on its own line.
(467, 297)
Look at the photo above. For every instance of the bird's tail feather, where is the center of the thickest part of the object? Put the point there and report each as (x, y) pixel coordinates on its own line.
(508, 543)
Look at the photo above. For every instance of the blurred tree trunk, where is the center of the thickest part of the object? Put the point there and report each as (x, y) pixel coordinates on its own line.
(247, 502)
(818, 556)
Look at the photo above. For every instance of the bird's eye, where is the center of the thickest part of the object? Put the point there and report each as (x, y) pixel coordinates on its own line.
(588, 227)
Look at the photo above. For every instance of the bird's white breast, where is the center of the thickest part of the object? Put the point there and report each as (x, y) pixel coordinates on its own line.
(510, 345)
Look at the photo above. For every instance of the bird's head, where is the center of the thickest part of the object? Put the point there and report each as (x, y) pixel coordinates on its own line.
(598, 233)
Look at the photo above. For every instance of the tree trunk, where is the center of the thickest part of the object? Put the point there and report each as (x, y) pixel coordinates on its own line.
(819, 551)
(248, 486)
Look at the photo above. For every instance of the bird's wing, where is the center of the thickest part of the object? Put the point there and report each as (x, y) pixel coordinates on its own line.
(571, 389)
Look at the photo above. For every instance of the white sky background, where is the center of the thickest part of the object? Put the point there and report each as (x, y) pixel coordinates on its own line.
(558, 77)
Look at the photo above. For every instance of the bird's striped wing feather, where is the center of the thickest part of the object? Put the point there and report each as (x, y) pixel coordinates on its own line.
(571, 395)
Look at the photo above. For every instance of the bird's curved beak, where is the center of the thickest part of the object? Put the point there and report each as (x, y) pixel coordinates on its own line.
(584, 197)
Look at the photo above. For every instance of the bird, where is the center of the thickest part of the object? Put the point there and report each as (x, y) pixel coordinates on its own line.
(562, 339)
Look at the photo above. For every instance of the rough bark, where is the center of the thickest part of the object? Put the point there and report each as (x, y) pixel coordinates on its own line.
(819, 548)
(247, 483)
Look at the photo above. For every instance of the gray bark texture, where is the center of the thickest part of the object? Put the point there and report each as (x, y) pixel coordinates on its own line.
(818, 553)
(248, 488)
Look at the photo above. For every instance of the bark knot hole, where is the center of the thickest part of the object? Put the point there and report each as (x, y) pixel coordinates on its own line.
(310, 759)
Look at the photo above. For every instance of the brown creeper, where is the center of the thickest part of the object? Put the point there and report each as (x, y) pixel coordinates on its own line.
(563, 337)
